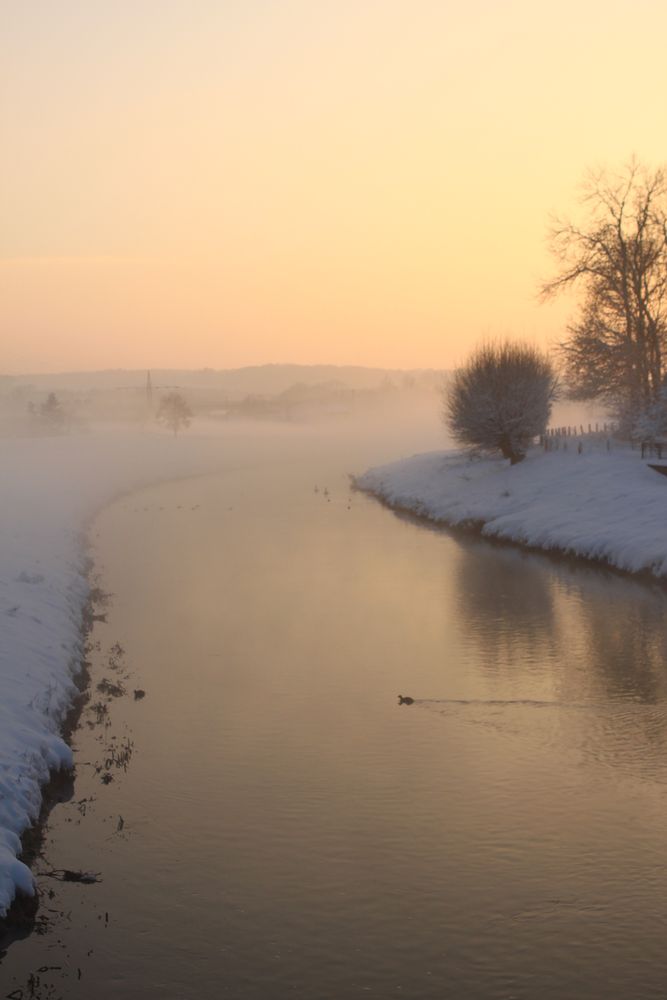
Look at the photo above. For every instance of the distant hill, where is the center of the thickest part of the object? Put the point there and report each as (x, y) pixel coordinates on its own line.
(267, 380)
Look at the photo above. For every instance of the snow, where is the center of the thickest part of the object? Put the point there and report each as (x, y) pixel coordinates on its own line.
(606, 505)
(50, 488)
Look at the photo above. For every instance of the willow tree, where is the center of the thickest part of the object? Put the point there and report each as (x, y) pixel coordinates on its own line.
(500, 400)
(617, 258)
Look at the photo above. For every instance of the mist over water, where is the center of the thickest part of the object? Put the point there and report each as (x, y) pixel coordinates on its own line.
(321, 748)
(288, 828)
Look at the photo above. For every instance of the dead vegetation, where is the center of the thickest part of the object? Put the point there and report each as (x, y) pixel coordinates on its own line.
(70, 875)
(114, 690)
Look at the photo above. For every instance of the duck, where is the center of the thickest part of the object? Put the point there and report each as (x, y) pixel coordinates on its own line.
(404, 699)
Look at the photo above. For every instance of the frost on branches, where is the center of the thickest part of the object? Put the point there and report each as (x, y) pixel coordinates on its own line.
(500, 400)
(617, 257)
(651, 424)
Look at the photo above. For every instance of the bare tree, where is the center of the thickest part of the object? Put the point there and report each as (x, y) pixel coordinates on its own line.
(174, 412)
(650, 426)
(51, 413)
(618, 258)
(500, 400)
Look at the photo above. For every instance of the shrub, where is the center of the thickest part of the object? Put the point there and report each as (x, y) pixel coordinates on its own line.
(501, 399)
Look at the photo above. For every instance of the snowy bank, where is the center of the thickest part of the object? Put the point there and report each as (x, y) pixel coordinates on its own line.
(50, 487)
(600, 505)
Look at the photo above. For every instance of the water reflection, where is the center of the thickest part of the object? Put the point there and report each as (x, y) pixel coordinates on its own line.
(590, 638)
(623, 637)
(505, 605)
(502, 836)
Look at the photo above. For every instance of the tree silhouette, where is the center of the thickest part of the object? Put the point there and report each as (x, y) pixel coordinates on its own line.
(52, 413)
(174, 412)
(618, 258)
(501, 399)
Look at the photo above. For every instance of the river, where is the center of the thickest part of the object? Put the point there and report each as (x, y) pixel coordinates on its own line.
(268, 822)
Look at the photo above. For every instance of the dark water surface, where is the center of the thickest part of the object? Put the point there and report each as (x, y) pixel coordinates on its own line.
(288, 830)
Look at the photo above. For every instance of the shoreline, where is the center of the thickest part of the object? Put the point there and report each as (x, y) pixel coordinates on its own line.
(396, 487)
(595, 509)
(21, 917)
(51, 495)
(475, 529)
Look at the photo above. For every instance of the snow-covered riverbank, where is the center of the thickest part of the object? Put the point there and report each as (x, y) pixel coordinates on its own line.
(600, 505)
(50, 487)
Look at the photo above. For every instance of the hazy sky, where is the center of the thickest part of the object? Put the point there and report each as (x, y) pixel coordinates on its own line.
(226, 182)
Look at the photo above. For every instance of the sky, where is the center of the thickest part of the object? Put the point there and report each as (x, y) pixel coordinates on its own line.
(216, 183)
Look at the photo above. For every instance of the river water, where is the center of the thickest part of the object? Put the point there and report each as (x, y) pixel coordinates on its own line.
(275, 825)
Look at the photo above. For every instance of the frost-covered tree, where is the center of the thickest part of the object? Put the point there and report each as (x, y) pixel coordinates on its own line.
(651, 423)
(174, 412)
(51, 413)
(500, 400)
(617, 257)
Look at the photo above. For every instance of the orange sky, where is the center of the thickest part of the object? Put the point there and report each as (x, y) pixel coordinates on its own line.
(195, 183)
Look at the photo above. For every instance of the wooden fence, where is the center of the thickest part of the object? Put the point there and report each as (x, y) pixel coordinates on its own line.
(574, 436)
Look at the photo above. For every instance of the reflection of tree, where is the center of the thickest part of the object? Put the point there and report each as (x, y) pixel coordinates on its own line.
(623, 655)
(505, 604)
(623, 639)
(594, 639)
